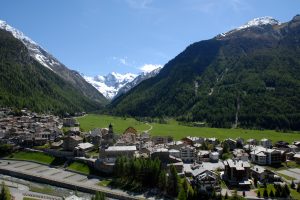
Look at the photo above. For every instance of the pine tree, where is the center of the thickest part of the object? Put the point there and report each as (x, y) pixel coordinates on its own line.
(226, 195)
(293, 185)
(172, 183)
(162, 180)
(99, 196)
(265, 194)
(287, 190)
(182, 194)
(271, 194)
(5, 193)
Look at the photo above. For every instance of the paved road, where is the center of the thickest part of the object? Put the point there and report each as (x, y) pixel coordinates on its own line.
(61, 176)
(293, 173)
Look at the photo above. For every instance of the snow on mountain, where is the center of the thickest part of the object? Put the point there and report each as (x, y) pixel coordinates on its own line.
(114, 84)
(36, 51)
(50, 62)
(110, 84)
(261, 21)
(143, 76)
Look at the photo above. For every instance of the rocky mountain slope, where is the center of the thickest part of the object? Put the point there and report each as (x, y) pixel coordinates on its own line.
(247, 77)
(32, 78)
(114, 84)
(50, 62)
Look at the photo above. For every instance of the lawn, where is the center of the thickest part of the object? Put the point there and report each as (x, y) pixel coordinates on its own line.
(172, 128)
(105, 182)
(79, 167)
(33, 156)
(37, 157)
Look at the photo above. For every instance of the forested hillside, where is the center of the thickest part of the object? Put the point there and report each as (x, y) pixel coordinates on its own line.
(26, 83)
(247, 78)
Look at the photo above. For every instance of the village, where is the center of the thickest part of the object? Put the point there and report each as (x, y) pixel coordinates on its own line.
(208, 164)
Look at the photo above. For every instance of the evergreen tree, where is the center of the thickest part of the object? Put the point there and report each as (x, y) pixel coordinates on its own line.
(5, 193)
(272, 195)
(265, 194)
(182, 194)
(99, 196)
(226, 195)
(172, 187)
(293, 185)
(287, 190)
(162, 180)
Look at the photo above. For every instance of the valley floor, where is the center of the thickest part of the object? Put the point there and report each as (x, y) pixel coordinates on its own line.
(173, 128)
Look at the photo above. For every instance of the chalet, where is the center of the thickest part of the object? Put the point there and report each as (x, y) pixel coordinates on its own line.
(83, 148)
(263, 175)
(237, 172)
(266, 156)
(70, 142)
(188, 153)
(161, 139)
(206, 180)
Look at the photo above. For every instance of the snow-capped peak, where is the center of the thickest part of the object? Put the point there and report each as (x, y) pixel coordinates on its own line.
(110, 84)
(16, 33)
(259, 22)
(36, 51)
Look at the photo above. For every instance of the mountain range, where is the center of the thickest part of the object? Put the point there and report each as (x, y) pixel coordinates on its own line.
(114, 84)
(247, 77)
(31, 77)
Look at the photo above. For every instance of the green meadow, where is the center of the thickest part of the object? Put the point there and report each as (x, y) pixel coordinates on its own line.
(173, 128)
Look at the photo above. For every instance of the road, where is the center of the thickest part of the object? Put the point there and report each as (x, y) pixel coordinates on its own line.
(149, 126)
(60, 177)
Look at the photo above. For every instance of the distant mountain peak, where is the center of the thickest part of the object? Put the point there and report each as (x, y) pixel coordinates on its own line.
(114, 84)
(256, 22)
(259, 22)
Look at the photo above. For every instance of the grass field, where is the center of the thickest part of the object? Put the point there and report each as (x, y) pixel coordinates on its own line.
(37, 157)
(92, 121)
(79, 167)
(33, 156)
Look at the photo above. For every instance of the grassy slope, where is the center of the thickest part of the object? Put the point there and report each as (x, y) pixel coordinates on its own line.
(33, 156)
(79, 167)
(92, 121)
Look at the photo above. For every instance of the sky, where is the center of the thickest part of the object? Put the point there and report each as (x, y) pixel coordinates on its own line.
(96, 37)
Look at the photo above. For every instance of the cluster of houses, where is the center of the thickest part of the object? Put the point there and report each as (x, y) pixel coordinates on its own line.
(200, 160)
(28, 128)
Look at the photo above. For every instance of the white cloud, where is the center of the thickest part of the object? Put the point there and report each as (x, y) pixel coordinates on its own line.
(149, 67)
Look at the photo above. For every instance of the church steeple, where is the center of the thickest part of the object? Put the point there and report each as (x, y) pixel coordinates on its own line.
(110, 128)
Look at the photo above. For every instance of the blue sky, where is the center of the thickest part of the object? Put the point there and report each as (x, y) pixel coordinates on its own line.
(100, 36)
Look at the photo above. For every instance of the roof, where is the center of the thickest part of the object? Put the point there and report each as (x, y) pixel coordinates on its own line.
(297, 155)
(258, 169)
(238, 164)
(85, 145)
(75, 137)
(121, 148)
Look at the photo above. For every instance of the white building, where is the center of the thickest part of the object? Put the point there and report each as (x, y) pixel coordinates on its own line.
(214, 156)
(266, 143)
(188, 153)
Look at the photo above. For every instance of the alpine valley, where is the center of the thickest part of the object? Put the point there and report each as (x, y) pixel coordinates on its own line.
(247, 77)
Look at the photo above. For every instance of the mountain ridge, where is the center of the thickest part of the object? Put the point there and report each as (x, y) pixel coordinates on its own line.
(248, 78)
